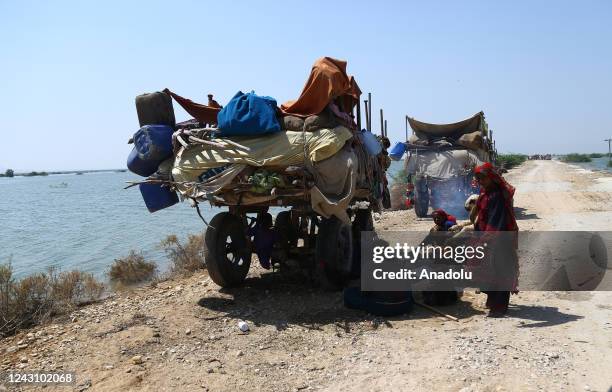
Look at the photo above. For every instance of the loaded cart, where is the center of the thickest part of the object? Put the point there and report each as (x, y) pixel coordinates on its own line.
(307, 162)
(440, 163)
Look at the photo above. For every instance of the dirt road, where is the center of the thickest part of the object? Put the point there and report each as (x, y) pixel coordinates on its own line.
(182, 335)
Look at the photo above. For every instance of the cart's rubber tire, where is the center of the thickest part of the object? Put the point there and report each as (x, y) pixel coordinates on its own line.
(421, 204)
(379, 303)
(334, 252)
(227, 263)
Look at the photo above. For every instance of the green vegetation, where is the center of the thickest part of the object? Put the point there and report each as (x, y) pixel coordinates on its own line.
(35, 173)
(185, 258)
(35, 298)
(597, 155)
(508, 161)
(401, 176)
(8, 173)
(132, 269)
(575, 158)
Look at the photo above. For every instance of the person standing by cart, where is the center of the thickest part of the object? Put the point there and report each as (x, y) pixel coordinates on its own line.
(495, 207)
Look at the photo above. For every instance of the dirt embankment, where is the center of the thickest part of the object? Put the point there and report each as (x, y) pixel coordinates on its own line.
(182, 335)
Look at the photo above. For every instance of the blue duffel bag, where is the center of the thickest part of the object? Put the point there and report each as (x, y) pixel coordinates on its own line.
(248, 115)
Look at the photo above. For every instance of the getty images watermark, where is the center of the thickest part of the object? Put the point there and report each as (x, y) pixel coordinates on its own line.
(441, 261)
(404, 252)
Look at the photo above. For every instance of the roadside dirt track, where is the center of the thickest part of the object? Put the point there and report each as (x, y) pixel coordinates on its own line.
(182, 335)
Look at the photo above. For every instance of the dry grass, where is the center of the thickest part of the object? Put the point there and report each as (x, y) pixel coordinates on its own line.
(33, 299)
(132, 269)
(185, 258)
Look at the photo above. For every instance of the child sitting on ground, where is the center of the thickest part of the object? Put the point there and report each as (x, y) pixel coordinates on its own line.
(442, 220)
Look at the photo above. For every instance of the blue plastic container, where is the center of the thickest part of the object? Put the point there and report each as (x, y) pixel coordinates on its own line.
(152, 145)
(140, 166)
(157, 197)
(371, 142)
(397, 152)
(154, 142)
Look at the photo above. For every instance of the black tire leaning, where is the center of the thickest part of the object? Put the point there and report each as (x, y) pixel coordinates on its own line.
(222, 270)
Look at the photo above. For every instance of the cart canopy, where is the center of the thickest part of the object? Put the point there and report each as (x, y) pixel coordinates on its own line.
(472, 124)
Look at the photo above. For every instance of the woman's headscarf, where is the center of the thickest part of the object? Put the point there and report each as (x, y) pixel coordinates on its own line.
(441, 213)
(507, 193)
(488, 170)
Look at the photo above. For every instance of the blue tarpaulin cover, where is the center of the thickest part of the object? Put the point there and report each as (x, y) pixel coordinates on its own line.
(248, 115)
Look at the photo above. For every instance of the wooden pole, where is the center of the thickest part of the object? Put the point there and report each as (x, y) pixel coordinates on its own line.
(370, 111)
(609, 150)
(386, 129)
(382, 124)
(367, 114)
(359, 115)
(406, 128)
(431, 308)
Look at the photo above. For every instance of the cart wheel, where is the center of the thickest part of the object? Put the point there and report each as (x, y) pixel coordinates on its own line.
(421, 204)
(226, 253)
(334, 252)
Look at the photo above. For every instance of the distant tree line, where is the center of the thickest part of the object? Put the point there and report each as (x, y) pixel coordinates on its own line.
(508, 161)
(11, 173)
(8, 173)
(34, 173)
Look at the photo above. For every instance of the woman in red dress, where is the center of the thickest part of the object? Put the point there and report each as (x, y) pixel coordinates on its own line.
(496, 213)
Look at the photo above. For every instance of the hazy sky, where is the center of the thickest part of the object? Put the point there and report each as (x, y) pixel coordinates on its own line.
(69, 71)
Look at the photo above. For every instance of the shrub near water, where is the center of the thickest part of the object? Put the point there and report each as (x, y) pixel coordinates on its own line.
(185, 258)
(33, 299)
(508, 161)
(132, 269)
(576, 158)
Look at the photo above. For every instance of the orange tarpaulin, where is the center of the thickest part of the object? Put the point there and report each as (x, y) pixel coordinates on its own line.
(202, 113)
(328, 80)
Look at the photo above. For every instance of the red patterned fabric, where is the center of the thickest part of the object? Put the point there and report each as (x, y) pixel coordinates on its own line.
(496, 213)
(495, 206)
